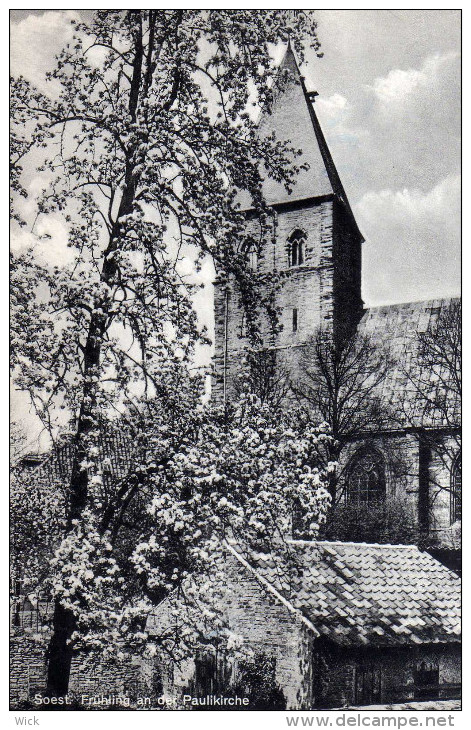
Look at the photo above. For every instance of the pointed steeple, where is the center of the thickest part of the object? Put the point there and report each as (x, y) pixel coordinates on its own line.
(292, 117)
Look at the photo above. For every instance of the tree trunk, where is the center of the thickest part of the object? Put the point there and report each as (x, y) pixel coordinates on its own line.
(60, 651)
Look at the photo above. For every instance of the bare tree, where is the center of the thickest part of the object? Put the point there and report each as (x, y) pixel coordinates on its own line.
(435, 375)
(340, 383)
(430, 405)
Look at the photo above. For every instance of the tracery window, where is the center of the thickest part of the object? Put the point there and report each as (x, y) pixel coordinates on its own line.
(455, 491)
(366, 481)
(296, 243)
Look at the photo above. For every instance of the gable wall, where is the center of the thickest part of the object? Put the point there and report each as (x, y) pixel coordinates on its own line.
(268, 626)
(265, 625)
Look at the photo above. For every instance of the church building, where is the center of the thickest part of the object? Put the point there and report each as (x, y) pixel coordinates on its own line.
(316, 246)
(354, 623)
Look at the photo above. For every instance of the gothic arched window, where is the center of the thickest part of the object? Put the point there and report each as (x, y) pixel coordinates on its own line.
(455, 491)
(296, 243)
(366, 480)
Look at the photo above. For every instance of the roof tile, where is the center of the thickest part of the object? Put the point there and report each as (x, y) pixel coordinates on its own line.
(357, 593)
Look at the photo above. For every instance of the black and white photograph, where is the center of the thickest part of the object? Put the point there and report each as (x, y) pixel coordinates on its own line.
(235, 362)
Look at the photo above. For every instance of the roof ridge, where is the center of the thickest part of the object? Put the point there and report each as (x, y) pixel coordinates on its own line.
(355, 544)
(413, 301)
(290, 62)
(332, 172)
(271, 588)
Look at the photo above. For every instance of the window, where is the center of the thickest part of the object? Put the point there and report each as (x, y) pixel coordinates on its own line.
(367, 685)
(455, 491)
(426, 681)
(366, 480)
(296, 243)
(252, 257)
(295, 320)
(250, 251)
(205, 674)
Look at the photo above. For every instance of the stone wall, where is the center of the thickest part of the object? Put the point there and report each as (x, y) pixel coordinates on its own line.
(400, 452)
(337, 670)
(270, 626)
(91, 678)
(265, 624)
(347, 258)
(308, 288)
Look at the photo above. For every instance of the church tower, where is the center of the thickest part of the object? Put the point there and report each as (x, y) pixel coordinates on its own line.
(315, 241)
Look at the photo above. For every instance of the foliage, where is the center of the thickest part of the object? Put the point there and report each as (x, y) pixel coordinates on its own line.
(226, 476)
(265, 376)
(257, 681)
(198, 477)
(142, 145)
(391, 522)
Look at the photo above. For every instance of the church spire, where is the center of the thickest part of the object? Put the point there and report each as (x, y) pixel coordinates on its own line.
(292, 117)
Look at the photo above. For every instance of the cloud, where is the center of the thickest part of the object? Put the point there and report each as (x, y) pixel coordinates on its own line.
(30, 58)
(402, 130)
(333, 106)
(413, 204)
(398, 84)
(47, 234)
(412, 250)
(337, 117)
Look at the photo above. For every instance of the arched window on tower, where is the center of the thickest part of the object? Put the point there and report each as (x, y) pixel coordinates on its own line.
(366, 479)
(455, 491)
(296, 248)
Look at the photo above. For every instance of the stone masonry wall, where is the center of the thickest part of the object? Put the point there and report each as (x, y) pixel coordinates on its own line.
(28, 674)
(265, 624)
(397, 667)
(309, 288)
(347, 256)
(269, 626)
(400, 452)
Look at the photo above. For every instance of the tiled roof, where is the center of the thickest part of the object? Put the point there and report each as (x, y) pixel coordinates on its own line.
(361, 594)
(396, 327)
(115, 454)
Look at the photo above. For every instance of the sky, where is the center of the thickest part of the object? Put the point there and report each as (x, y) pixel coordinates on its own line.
(389, 105)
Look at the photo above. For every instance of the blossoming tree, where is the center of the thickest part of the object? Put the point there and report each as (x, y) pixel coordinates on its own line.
(142, 144)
